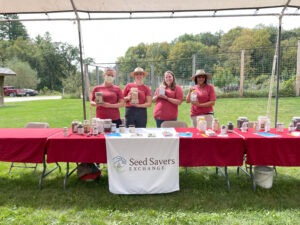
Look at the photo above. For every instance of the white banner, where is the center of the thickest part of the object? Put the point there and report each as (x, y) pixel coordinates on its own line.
(146, 162)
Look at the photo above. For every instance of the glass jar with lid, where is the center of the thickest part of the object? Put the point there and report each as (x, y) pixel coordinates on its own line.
(107, 125)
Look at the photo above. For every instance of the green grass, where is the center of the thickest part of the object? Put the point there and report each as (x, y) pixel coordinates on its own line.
(60, 113)
(203, 197)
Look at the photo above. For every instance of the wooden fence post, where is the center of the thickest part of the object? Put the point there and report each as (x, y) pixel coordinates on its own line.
(242, 73)
(297, 85)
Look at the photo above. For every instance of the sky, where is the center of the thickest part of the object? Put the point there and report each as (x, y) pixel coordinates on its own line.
(106, 40)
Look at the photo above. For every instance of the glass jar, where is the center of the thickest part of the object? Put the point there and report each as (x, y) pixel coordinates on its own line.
(240, 121)
(121, 129)
(134, 96)
(215, 125)
(86, 126)
(74, 126)
(230, 127)
(223, 130)
(80, 129)
(66, 132)
(113, 128)
(161, 90)
(279, 127)
(201, 123)
(99, 97)
(107, 125)
(193, 97)
(131, 128)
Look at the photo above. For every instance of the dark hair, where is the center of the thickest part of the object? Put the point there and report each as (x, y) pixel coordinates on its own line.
(173, 85)
(195, 79)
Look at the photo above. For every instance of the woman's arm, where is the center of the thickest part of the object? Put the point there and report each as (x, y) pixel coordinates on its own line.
(204, 104)
(174, 101)
(115, 105)
(147, 103)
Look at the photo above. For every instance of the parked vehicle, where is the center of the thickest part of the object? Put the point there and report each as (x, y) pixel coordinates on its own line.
(12, 91)
(30, 92)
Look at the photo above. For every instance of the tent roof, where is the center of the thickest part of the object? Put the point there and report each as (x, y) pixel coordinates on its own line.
(110, 6)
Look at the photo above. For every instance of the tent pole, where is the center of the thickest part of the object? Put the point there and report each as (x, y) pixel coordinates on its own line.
(81, 60)
(278, 68)
(279, 58)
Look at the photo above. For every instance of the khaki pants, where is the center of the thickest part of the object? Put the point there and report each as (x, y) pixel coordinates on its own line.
(209, 118)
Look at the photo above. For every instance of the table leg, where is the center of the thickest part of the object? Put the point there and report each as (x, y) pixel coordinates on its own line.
(252, 178)
(225, 173)
(68, 173)
(44, 173)
(227, 178)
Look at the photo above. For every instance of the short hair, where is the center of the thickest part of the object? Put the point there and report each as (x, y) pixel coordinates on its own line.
(109, 69)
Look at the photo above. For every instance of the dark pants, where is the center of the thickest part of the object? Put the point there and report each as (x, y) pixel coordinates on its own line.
(117, 122)
(159, 122)
(136, 116)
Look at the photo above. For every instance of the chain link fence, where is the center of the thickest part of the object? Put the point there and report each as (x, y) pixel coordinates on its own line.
(254, 64)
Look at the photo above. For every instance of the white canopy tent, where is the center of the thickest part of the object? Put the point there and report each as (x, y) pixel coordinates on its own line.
(84, 8)
(113, 6)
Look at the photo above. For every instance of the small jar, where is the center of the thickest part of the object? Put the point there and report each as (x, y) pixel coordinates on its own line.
(223, 130)
(65, 132)
(99, 97)
(121, 129)
(291, 127)
(86, 126)
(162, 90)
(230, 127)
(74, 126)
(131, 128)
(107, 125)
(193, 96)
(80, 129)
(134, 96)
(201, 123)
(95, 129)
(215, 125)
(113, 128)
(279, 127)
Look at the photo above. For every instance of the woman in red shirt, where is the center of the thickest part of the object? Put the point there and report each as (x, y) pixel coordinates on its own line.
(167, 97)
(205, 98)
(112, 98)
(138, 98)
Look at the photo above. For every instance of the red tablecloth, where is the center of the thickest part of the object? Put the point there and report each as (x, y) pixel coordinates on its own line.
(193, 151)
(76, 148)
(24, 144)
(201, 150)
(283, 150)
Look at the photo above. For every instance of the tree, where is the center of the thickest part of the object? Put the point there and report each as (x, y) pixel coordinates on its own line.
(26, 77)
(13, 29)
(54, 62)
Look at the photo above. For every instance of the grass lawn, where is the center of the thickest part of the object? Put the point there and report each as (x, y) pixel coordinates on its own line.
(203, 197)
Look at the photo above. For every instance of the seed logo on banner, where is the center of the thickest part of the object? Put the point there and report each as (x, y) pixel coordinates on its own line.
(119, 163)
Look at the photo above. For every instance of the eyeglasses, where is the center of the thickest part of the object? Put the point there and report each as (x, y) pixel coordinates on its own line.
(201, 77)
(139, 73)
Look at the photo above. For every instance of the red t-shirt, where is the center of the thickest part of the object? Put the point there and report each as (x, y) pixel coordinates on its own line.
(143, 92)
(111, 94)
(205, 94)
(165, 110)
